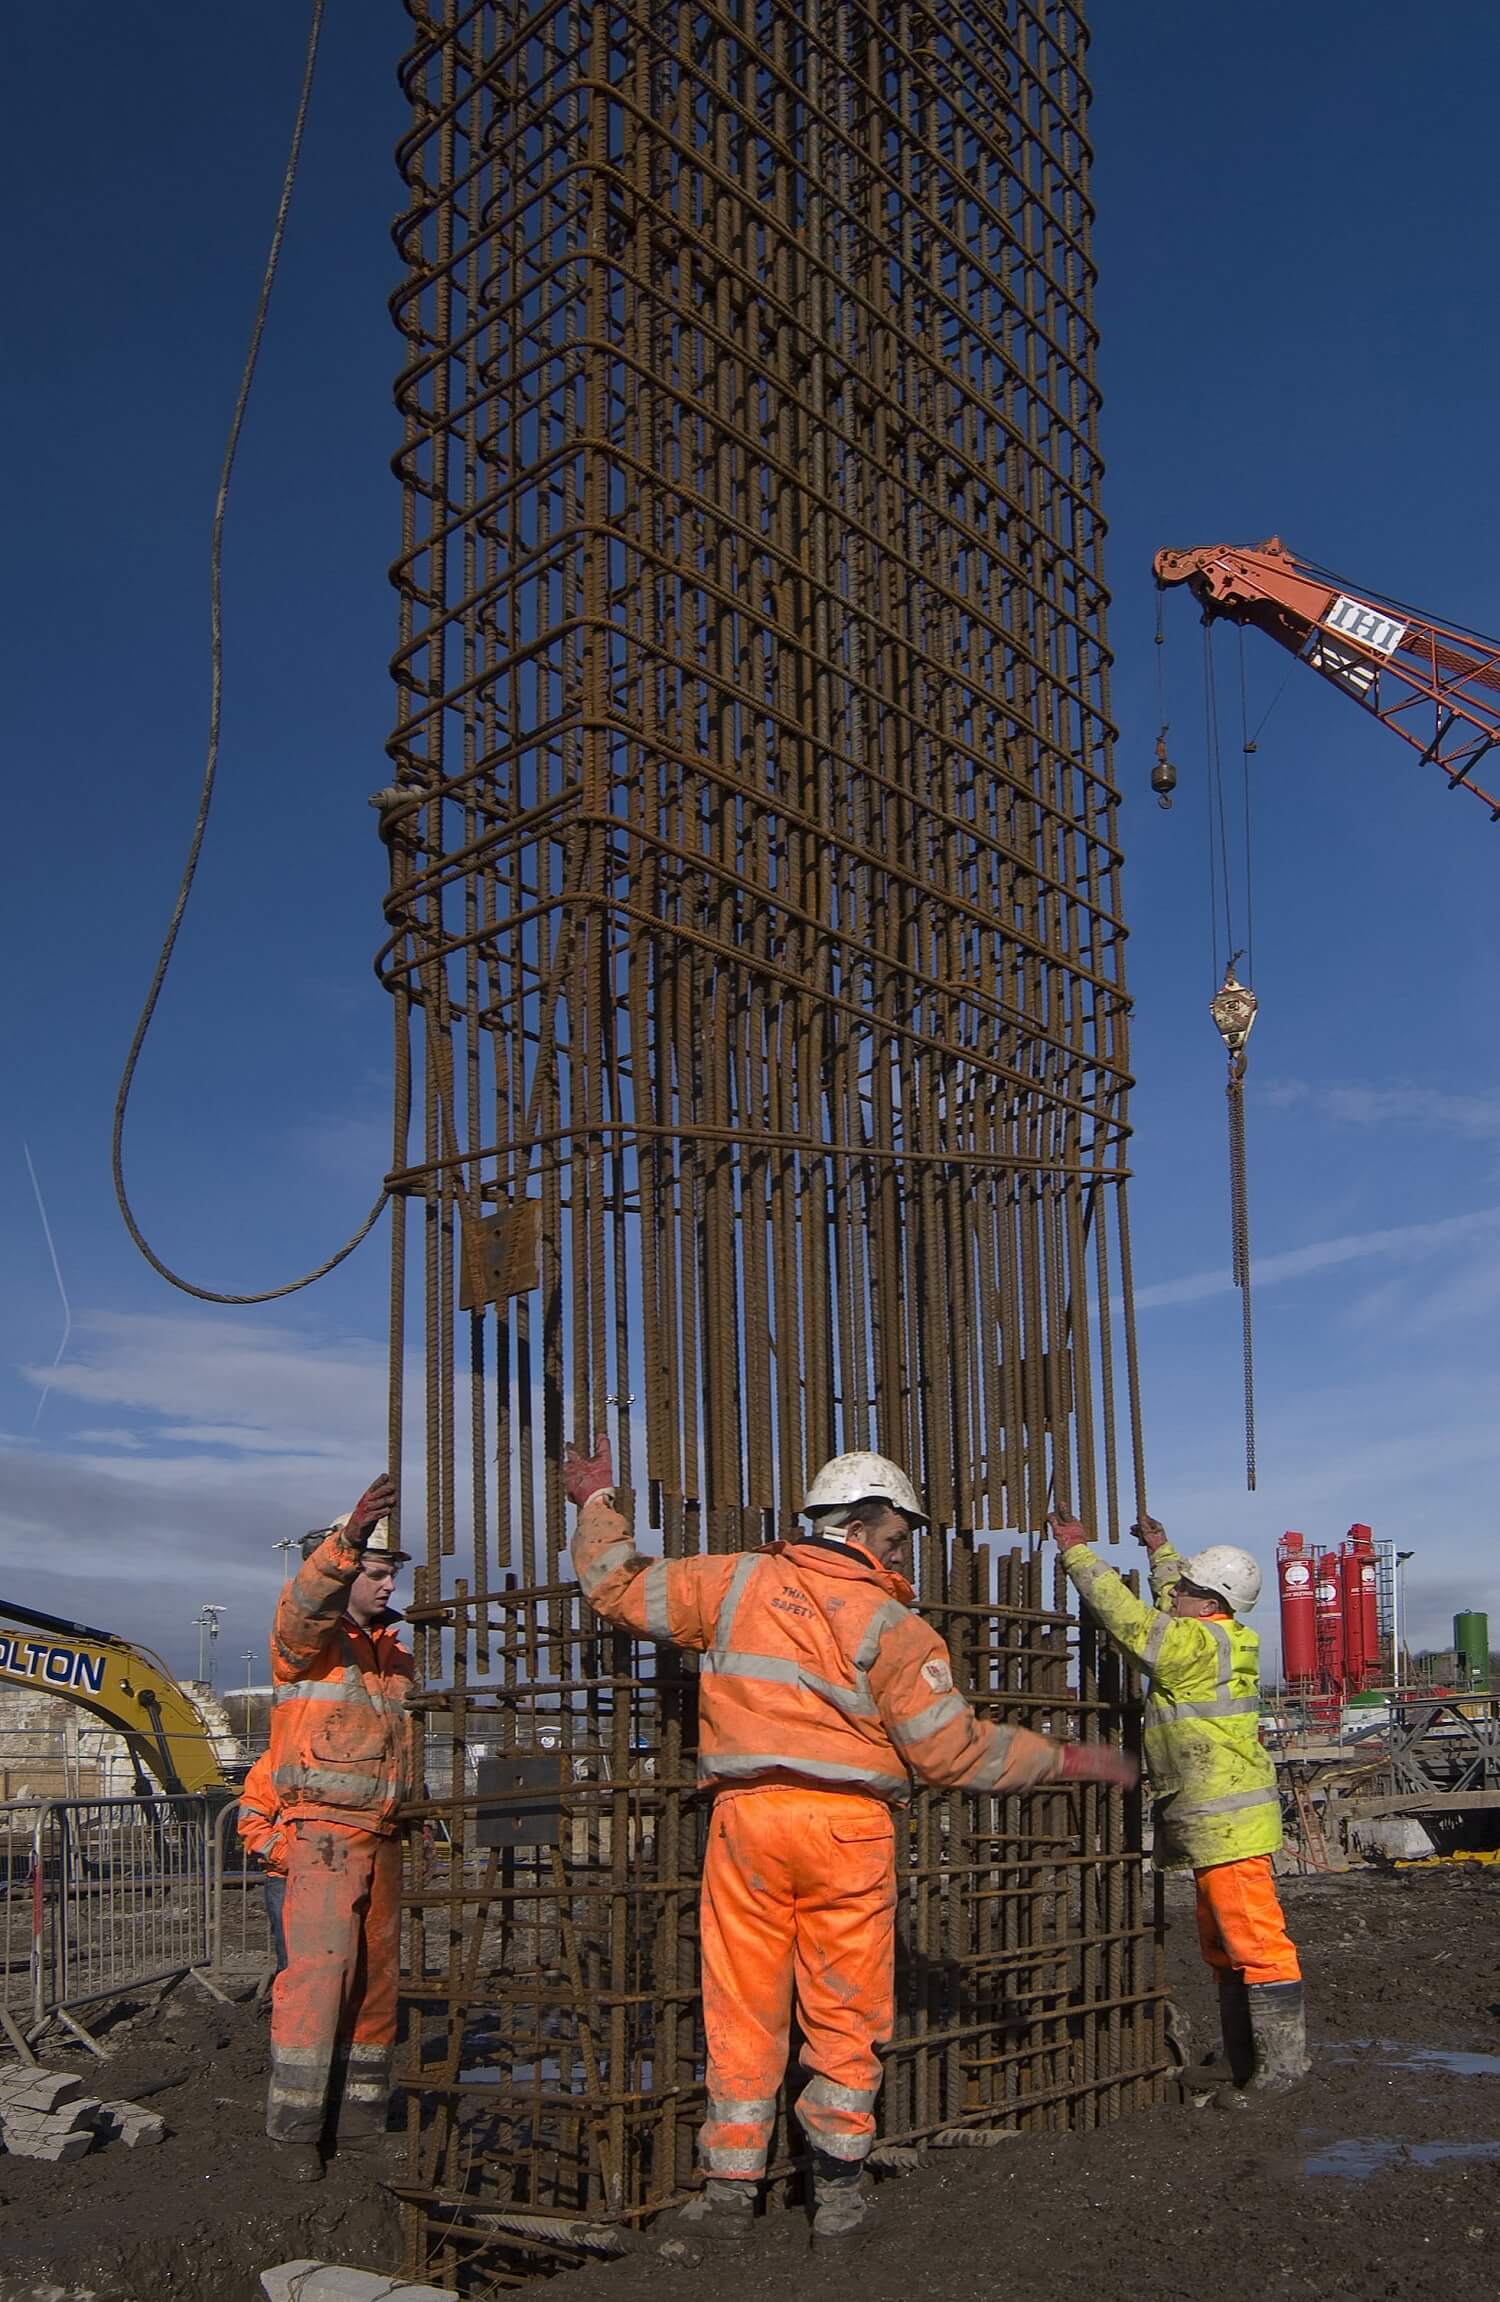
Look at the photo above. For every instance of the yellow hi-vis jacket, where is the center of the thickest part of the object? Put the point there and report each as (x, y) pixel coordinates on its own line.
(1214, 1785)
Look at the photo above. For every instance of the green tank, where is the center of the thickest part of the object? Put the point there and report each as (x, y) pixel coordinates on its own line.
(1471, 1651)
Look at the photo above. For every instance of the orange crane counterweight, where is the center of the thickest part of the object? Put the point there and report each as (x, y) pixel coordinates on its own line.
(1433, 684)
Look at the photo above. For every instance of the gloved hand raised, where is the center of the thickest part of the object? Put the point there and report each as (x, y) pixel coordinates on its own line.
(377, 1502)
(1099, 1762)
(1151, 1532)
(1067, 1532)
(585, 1475)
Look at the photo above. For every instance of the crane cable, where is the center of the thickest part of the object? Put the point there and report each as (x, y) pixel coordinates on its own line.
(205, 799)
(1233, 1010)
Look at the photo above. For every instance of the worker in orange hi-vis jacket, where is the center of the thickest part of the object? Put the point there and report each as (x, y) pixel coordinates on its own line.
(341, 1766)
(822, 1691)
(264, 1835)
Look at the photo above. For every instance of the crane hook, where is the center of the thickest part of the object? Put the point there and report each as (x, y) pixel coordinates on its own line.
(1163, 774)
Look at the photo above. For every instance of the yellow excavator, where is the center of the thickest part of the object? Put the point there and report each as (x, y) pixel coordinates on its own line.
(127, 1687)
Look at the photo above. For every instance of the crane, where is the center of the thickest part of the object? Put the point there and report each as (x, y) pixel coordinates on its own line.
(1435, 685)
(125, 1686)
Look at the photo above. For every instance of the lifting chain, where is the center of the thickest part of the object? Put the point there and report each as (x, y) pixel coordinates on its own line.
(1234, 1010)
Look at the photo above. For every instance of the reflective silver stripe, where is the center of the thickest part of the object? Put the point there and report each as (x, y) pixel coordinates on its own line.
(1220, 1638)
(830, 2095)
(1151, 1651)
(718, 1664)
(334, 1786)
(1162, 1710)
(302, 2057)
(730, 1605)
(926, 1722)
(721, 2161)
(737, 1766)
(994, 1763)
(836, 2140)
(592, 1574)
(654, 1602)
(365, 2090)
(298, 2097)
(322, 1691)
(756, 2110)
(855, 1702)
(1236, 1802)
(1087, 1572)
(377, 2055)
(888, 1612)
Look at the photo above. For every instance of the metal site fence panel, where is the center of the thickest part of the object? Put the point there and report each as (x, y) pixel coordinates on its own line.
(104, 1896)
(119, 1895)
(761, 1032)
(239, 1928)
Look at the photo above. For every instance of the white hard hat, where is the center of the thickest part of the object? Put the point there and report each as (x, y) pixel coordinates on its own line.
(1228, 1573)
(861, 1478)
(379, 1544)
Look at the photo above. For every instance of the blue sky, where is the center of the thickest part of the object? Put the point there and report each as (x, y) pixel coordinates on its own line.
(1294, 219)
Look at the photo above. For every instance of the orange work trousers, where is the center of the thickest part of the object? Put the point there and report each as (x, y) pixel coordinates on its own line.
(333, 2006)
(799, 1893)
(1241, 1929)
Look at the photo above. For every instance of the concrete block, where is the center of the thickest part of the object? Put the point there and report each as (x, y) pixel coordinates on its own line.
(37, 2089)
(336, 2282)
(130, 2123)
(57, 2148)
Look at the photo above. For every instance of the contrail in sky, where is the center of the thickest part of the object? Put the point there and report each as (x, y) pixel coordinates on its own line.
(41, 1208)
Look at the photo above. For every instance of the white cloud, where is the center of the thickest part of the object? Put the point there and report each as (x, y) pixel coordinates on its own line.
(1475, 1117)
(1402, 1242)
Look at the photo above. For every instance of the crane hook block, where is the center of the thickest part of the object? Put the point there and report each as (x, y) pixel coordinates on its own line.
(1233, 1008)
(1163, 774)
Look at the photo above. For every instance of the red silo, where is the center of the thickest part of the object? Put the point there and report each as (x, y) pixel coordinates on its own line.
(1356, 1662)
(1364, 1543)
(1328, 1596)
(1299, 1632)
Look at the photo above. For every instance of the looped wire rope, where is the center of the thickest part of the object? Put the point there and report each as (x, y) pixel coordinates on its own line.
(205, 798)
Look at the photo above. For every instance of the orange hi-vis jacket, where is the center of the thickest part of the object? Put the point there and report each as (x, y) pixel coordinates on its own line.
(259, 1820)
(816, 1667)
(340, 1735)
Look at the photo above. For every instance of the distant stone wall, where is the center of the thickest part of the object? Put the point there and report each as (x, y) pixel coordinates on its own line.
(51, 1748)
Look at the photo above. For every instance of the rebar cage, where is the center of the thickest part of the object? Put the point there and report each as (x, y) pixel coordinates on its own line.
(758, 967)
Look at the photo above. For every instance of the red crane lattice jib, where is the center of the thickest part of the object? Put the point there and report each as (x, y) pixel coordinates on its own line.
(1432, 684)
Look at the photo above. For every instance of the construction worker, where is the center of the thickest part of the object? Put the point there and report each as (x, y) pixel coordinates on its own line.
(821, 1692)
(1217, 1810)
(264, 1835)
(341, 1766)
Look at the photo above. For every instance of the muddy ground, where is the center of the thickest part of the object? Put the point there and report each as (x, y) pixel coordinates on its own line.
(1379, 2177)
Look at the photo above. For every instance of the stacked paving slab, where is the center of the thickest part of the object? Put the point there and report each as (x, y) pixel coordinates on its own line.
(46, 2114)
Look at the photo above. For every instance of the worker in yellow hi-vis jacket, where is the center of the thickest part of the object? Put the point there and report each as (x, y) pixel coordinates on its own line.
(1216, 1808)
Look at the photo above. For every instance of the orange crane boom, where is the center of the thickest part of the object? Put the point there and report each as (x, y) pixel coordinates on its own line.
(1435, 685)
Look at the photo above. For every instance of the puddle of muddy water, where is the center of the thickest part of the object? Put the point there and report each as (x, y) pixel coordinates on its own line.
(1357, 2157)
(1401, 2057)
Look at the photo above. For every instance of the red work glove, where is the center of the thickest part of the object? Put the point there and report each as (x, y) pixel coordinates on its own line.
(1151, 1532)
(1099, 1762)
(585, 1475)
(1066, 1532)
(377, 1501)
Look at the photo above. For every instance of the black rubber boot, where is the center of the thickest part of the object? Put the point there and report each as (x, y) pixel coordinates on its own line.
(722, 2214)
(1278, 2021)
(1235, 2028)
(844, 2210)
(298, 2161)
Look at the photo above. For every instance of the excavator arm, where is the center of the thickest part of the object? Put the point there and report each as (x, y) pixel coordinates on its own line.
(1436, 686)
(127, 1687)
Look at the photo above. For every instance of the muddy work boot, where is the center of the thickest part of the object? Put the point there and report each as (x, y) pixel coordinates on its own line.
(1278, 2021)
(298, 2161)
(844, 2210)
(723, 2213)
